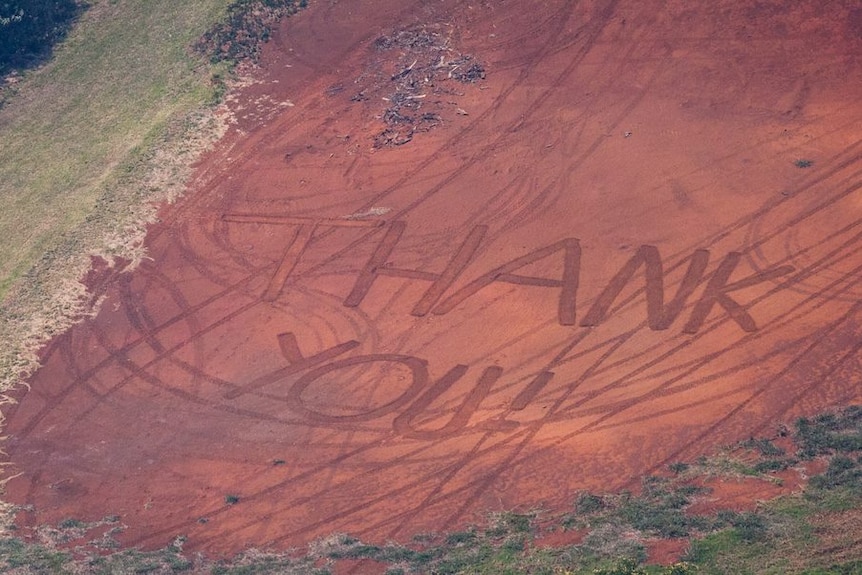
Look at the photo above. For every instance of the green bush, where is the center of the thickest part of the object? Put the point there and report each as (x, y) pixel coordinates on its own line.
(248, 24)
(780, 464)
(30, 28)
(830, 432)
(749, 526)
(764, 446)
(587, 503)
(842, 472)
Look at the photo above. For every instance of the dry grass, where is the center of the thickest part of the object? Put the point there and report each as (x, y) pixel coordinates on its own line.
(87, 144)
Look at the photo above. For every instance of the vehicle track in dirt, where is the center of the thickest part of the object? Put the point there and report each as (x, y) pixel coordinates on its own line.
(273, 323)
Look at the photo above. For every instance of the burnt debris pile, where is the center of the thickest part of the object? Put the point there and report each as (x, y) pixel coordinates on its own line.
(419, 78)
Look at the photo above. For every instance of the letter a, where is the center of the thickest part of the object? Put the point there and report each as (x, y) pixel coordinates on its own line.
(568, 284)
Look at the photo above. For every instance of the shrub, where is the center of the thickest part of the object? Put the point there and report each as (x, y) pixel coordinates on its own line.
(842, 472)
(749, 526)
(248, 24)
(830, 432)
(764, 446)
(587, 503)
(768, 465)
(30, 28)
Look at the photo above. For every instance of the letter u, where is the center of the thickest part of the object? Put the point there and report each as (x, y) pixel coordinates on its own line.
(403, 424)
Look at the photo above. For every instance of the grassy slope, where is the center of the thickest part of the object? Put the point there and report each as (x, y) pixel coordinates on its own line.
(77, 154)
(123, 72)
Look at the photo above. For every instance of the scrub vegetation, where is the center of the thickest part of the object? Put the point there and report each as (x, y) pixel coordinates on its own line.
(813, 532)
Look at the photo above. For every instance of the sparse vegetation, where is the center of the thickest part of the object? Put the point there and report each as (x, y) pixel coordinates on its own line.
(806, 533)
(802, 163)
(629, 567)
(764, 446)
(830, 432)
(15, 554)
(813, 533)
(248, 24)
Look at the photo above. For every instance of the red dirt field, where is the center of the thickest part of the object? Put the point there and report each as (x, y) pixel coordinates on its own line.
(391, 316)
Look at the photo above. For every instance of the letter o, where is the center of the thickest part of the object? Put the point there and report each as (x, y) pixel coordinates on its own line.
(419, 375)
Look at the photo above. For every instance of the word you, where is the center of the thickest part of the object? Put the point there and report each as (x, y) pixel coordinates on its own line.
(412, 402)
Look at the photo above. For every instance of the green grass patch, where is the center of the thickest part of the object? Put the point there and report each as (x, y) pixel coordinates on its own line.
(80, 123)
(16, 554)
(830, 432)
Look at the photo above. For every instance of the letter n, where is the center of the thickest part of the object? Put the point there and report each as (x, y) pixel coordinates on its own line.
(659, 315)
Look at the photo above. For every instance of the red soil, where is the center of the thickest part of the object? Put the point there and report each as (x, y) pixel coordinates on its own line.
(665, 551)
(616, 123)
(560, 538)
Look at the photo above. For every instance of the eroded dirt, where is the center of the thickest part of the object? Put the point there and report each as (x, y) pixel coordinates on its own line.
(391, 339)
